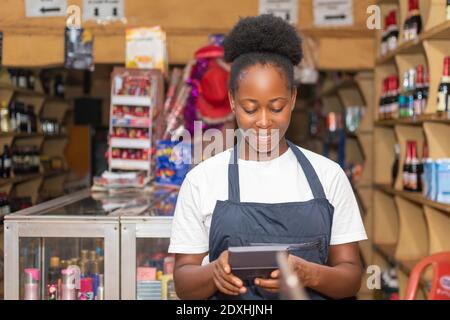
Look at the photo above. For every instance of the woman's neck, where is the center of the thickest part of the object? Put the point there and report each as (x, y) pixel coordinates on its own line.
(249, 154)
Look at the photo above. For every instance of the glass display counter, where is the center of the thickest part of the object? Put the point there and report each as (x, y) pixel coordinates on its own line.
(88, 246)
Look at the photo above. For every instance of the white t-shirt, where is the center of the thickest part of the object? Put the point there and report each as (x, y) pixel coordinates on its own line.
(276, 181)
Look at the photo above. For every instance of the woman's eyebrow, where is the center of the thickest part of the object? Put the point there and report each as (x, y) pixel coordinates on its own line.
(249, 99)
(277, 98)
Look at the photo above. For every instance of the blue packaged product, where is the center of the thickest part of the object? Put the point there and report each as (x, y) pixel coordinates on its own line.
(443, 181)
(173, 162)
(429, 183)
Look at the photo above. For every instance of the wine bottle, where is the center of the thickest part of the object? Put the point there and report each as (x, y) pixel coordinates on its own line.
(413, 24)
(419, 94)
(396, 163)
(444, 89)
(392, 37)
(415, 183)
(407, 167)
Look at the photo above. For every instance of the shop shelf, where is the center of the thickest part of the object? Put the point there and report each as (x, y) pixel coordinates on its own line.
(130, 164)
(414, 197)
(385, 220)
(130, 143)
(407, 133)
(131, 101)
(131, 122)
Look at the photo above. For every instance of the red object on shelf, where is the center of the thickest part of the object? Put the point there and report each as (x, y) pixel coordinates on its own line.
(440, 286)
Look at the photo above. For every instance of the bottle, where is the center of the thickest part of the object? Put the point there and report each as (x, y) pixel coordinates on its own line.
(415, 183)
(100, 295)
(53, 277)
(6, 162)
(407, 166)
(410, 92)
(393, 100)
(12, 116)
(413, 24)
(444, 89)
(394, 173)
(383, 100)
(70, 282)
(392, 38)
(4, 118)
(448, 9)
(86, 289)
(420, 102)
(31, 284)
(425, 159)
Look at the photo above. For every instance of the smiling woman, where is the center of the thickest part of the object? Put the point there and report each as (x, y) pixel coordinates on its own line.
(294, 197)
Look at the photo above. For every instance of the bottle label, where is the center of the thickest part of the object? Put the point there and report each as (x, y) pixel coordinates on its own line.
(7, 163)
(413, 181)
(86, 296)
(392, 43)
(383, 48)
(418, 106)
(442, 97)
(406, 179)
(52, 291)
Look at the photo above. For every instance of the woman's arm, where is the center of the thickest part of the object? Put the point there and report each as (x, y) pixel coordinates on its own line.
(340, 279)
(196, 282)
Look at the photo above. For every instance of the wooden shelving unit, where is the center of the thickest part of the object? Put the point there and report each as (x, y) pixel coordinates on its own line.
(408, 226)
(50, 184)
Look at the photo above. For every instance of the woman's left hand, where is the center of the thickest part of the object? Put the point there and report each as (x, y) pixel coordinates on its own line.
(306, 272)
(272, 285)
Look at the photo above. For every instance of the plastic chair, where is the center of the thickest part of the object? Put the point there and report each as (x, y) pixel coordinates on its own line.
(440, 287)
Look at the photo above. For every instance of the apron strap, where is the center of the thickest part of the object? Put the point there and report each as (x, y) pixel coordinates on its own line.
(233, 177)
(310, 173)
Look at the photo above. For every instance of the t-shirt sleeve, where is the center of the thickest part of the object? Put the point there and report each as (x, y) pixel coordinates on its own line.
(347, 222)
(189, 234)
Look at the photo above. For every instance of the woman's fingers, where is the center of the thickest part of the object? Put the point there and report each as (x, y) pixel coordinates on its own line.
(223, 289)
(268, 284)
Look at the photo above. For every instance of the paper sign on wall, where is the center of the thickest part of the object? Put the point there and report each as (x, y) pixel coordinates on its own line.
(103, 9)
(286, 9)
(333, 13)
(45, 8)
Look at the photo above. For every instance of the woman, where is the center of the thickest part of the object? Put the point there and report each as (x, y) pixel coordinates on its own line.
(292, 197)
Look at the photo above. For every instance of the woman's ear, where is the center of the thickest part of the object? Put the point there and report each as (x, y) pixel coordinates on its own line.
(293, 98)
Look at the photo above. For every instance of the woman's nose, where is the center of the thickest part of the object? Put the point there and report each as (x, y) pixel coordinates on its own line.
(264, 121)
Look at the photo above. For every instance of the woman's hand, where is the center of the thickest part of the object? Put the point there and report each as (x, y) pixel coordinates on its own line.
(224, 280)
(307, 272)
(272, 285)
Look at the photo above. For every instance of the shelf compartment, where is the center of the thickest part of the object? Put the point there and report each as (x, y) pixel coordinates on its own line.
(130, 143)
(438, 145)
(332, 103)
(29, 188)
(366, 142)
(55, 109)
(384, 154)
(405, 133)
(433, 13)
(130, 164)
(413, 233)
(436, 51)
(131, 122)
(131, 101)
(381, 73)
(438, 230)
(385, 220)
(415, 197)
(365, 82)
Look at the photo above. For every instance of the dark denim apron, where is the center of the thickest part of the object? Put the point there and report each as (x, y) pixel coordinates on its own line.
(304, 225)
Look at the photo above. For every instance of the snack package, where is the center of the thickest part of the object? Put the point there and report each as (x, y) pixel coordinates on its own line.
(173, 162)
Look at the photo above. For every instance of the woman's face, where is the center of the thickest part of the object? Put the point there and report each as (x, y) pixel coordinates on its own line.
(263, 105)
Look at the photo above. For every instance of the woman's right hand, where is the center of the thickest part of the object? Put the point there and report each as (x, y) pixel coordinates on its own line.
(224, 280)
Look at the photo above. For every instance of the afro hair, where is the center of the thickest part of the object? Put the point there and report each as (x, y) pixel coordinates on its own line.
(265, 40)
(263, 34)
